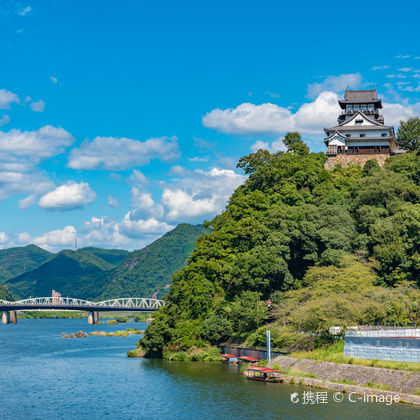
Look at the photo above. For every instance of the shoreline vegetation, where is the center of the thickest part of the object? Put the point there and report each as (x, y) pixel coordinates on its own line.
(142, 317)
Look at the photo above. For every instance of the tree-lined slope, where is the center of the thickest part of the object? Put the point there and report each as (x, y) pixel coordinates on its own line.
(291, 217)
(15, 261)
(150, 269)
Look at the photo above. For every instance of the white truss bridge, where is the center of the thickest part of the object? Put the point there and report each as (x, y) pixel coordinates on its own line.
(66, 303)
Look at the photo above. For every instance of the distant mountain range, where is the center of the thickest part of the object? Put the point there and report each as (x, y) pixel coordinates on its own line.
(96, 273)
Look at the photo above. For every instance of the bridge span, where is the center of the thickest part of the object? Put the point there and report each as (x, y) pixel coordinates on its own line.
(9, 309)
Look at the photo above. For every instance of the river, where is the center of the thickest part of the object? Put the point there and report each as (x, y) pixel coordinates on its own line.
(44, 376)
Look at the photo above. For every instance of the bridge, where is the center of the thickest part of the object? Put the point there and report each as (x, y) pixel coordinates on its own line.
(71, 304)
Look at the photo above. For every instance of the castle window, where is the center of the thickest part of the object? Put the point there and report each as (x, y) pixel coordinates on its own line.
(362, 135)
(384, 134)
(358, 122)
(348, 135)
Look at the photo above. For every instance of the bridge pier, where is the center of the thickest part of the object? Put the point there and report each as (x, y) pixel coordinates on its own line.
(9, 317)
(93, 318)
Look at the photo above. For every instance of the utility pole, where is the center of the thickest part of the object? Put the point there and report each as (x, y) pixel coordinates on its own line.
(268, 339)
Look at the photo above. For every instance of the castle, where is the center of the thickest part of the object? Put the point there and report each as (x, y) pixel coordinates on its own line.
(360, 133)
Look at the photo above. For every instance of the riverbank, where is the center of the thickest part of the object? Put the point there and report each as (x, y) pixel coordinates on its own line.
(350, 378)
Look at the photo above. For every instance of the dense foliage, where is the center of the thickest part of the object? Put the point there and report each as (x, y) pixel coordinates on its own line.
(291, 218)
(408, 136)
(150, 269)
(5, 294)
(15, 261)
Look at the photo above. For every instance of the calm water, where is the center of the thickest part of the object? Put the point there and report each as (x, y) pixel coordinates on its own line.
(46, 377)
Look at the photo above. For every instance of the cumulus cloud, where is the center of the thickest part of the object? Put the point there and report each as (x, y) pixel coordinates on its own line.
(335, 84)
(34, 145)
(200, 194)
(58, 238)
(7, 98)
(138, 228)
(20, 152)
(68, 197)
(268, 118)
(137, 177)
(24, 237)
(112, 153)
(144, 206)
(394, 113)
(37, 106)
(103, 231)
(274, 147)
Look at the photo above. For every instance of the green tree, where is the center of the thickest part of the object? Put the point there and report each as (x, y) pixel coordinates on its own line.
(293, 142)
(408, 135)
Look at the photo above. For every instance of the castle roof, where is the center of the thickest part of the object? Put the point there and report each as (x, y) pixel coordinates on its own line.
(367, 96)
(345, 125)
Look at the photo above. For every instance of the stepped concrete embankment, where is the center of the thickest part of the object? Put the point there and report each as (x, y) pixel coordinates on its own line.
(401, 382)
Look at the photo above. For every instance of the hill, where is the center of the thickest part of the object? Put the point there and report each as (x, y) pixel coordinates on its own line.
(150, 269)
(78, 274)
(5, 294)
(327, 248)
(112, 256)
(15, 261)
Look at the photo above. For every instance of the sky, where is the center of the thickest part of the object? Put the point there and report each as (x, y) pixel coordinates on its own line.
(121, 119)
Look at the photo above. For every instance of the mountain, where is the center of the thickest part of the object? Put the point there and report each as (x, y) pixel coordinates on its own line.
(150, 269)
(95, 274)
(15, 261)
(112, 256)
(78, 274)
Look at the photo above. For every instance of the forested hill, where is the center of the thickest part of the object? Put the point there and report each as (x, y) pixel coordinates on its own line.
(326, 247)
(150, 269)
(73, 273)
(96, 273)
(5, 294)
(15, 261)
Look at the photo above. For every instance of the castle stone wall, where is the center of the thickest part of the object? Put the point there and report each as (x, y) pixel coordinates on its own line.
(346, 160)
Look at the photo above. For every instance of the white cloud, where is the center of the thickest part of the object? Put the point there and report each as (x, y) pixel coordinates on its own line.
(396, 76)
(3, 237)
(58, 238)
(200, 194)
(138, 228)
(198, 159)
(405, 69)
(5, 119)
(144, 206)
(24, 11)
(137, 177)
(113, 202)
(274, 147)
(54, 79)
(24, 237)
(104, 232)
(402, 56)
(7, 98)
(394, 113)
(68, 197)
(36, 145)
(268, 118)
(38, 106)
(111, 153)
(335, 84)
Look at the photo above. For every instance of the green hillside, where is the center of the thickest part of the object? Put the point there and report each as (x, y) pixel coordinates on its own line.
(150, 269)
(327, 248)
(15, 261)
(112, 256)
(78, 274)
(5, 294)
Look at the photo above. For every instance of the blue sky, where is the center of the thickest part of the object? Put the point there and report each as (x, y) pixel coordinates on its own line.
(120, 120)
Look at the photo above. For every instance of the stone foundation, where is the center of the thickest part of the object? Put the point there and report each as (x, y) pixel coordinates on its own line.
(346, 160)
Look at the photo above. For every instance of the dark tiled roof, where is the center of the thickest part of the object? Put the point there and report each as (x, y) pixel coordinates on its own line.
(360, 95)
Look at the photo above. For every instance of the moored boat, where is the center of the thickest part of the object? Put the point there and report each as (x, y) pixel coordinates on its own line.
(263, 374)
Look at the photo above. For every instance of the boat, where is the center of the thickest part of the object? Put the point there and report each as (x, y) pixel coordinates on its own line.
(263, 374)
(230, 358)
(248, 359)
